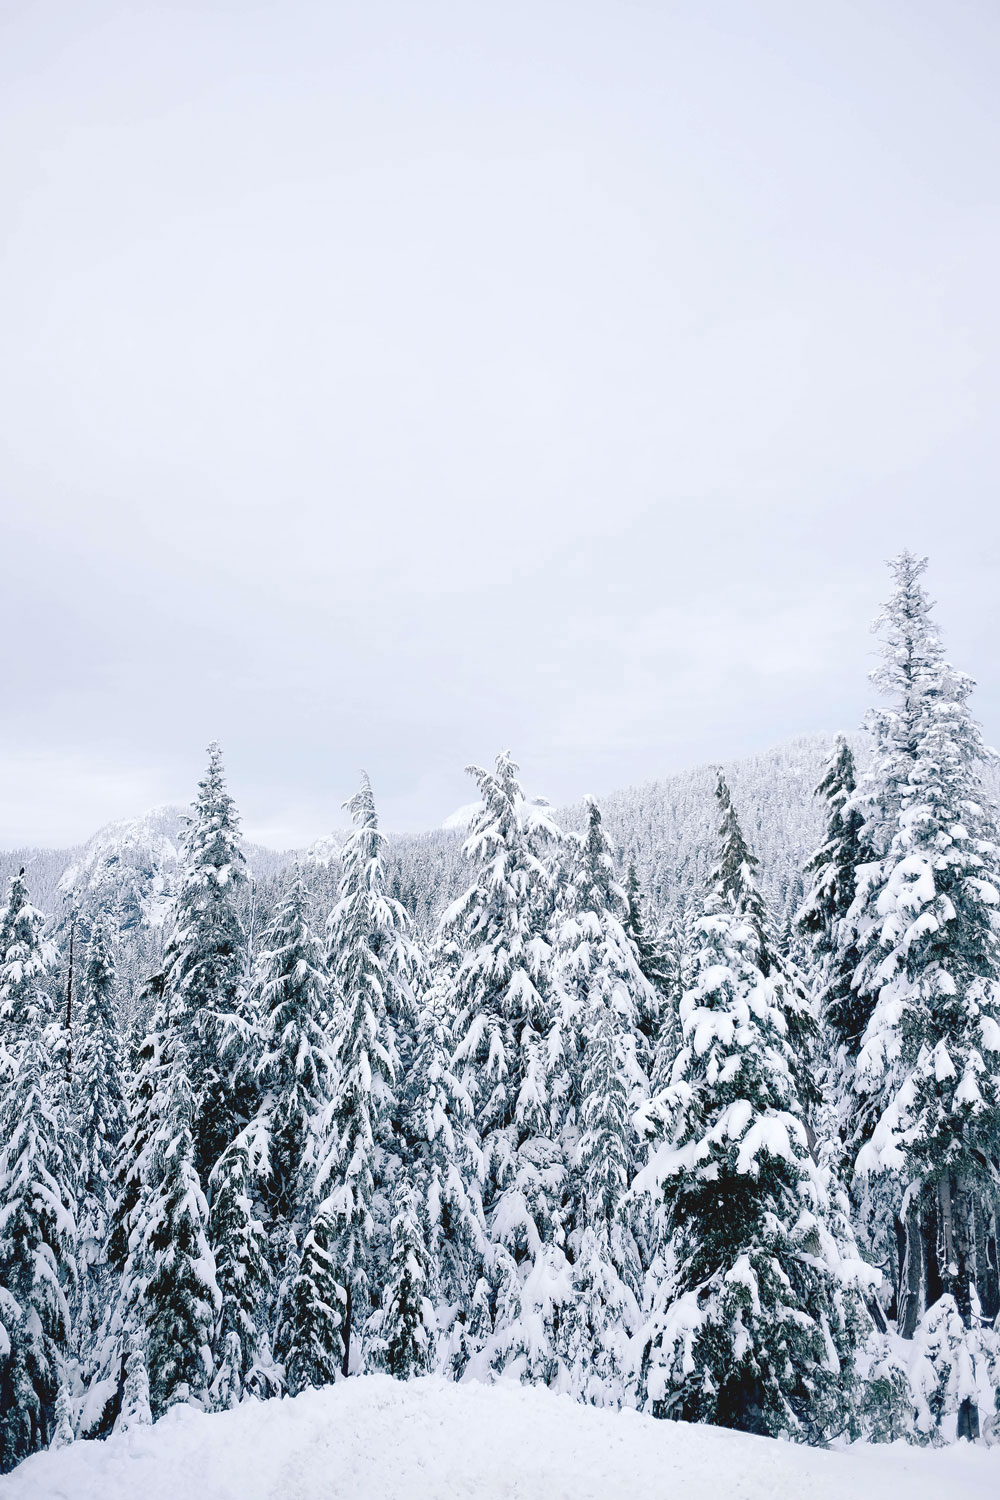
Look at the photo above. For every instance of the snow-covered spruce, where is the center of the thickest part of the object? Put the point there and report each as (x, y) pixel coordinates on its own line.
(310, 1339)
(604, 996)
(25, 958)
(821, 922)
(658, 951)
(376, 973)
(38, 1251)
(446, 1168)
(401, 1334)
(173, 1268)
(927, 1078)
(753, 1315)
(502, 996)
(297, 1065)
(243, 1273)
(101, 1112)
(202, 987)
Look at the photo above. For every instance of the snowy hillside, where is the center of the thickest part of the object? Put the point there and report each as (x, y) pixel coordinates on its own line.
(130, 865)
(378, 1439)
(666, 826)
(133, 862)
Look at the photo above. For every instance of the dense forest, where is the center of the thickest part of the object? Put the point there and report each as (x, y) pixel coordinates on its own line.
(688, 1102)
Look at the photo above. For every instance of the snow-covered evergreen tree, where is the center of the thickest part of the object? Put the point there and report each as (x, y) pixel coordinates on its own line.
(135, 1409)
(659, 962)
(502, 997)
(402, 1332)
(101, 1114)
(822, 927)
(753, 1315)
(925, 919)
(166, 1296)
(240, 1246)
(447, 1171)
(600, 982)
(62, 1430)
(604, 1315)
(296, 1066)
(310, 1336)
(38, 1269)
(734, 884)
(375, 968)
(202, 985)
(122, 1321)
(180, 1298)
(25, 1004)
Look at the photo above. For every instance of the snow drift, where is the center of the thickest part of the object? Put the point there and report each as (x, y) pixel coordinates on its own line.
(377, 1439)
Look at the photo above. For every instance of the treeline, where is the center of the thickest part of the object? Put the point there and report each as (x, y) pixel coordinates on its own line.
(721, 1168)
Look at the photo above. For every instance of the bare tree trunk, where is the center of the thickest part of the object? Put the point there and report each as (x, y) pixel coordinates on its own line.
(949, 1268)
(910, 1279)
(69, 999)
(346, 1366)
(986, 1271)
(968, 1414)
(934, 1259)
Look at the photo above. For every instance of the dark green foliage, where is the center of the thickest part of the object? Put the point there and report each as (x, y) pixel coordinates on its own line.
(401, 1341)
(658, 960)
(311, 1327)
(24, 1002)
(37, 1256)
(296, 1068)
(822, 919)
(751, 1295)
(375, 968)
(242, 1271)
(202, 986)
(181, 1299)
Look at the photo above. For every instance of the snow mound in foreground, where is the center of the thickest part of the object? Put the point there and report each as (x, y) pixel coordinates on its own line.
(376, 1439)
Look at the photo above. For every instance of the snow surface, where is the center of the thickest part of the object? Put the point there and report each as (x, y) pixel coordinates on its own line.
(377, 1439)
(462, 817)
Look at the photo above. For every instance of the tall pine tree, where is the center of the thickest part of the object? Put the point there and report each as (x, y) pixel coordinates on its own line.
(925, 924)
(502, 997)
(376, 969)
(822, 923)
(38, 1269)
(753, 1315)
(101, 1113)
(296, 1068)
(310, 1339)
(25, 1004)
(239, 1243)
(202, 985)
(177, 1294)
(447, 1167)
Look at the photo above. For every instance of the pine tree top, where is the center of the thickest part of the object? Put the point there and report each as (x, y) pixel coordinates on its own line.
(24, 960)
(507, 822)
(595, 880)
(733, 882)
(211, 840)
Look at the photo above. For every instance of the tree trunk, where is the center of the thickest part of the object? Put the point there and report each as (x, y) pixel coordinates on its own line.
(910, 1279)
(946, 1238)
(985, 1267)
(69, 1001)
(934, 1259)
(346, 1366)
(962, 1244)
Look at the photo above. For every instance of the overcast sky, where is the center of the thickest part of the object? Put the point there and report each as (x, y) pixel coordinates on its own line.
(387, 383)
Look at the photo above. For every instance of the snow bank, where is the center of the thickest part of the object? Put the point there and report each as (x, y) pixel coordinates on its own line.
(377, 1439)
